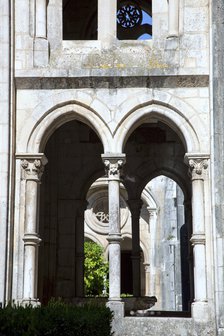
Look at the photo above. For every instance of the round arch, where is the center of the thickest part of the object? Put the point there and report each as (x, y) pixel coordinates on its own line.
(56, 116)
(156, 111)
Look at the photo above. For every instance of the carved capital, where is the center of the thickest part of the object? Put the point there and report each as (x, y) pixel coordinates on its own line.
(197, 165)
(32, 165)
(152, 211)
(113, 165)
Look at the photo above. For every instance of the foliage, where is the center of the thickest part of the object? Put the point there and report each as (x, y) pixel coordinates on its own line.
(55, 319)
(95, 270)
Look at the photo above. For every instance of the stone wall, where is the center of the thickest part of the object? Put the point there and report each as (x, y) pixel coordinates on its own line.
(217, 64)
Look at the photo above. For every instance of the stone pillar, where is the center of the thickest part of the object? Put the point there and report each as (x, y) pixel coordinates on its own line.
(153, 248)
(79, 248)
(113, 164)
(107, 21)
(135, 208)
(32, 170)
(41, 52)
(173, 18)
(147, 279)
(198, 164)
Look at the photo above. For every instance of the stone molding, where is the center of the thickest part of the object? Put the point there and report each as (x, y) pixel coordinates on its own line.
(198, 239)
(32, 166)
(31, 239)
(198, 164)
(113, 165)
(114, 238)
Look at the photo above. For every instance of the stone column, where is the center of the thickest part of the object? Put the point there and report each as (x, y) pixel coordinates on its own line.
(173, 18)
(113, 164)
(153, 248)
(32, 166)
(135, 208)
(41, 52)
(198, 164)
(107, 21)
(147, 279)
(79, 248)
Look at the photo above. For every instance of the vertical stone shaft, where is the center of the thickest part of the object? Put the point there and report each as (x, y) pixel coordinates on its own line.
(135, 208)
(107, 21)
(197, 167)
(79, 248)
(32, 169)
(173, 18)
(114, 240)
(113, 165)
(41, 18)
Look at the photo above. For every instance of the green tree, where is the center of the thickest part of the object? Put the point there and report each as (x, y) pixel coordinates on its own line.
(95, 270)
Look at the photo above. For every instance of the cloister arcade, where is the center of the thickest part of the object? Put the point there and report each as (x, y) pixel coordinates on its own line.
(155, 140)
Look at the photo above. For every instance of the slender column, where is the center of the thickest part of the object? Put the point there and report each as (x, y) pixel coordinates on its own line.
(32, 170)
(79, 247)
(147, 279)
(173, 18)
(41, 18)
(40, 42)
(198, 164)
(152, 257)
(113, 166)
(135, 208)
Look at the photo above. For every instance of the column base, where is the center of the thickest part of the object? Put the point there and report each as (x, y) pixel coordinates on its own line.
(200, 311)
(117, 307)
(30, 302)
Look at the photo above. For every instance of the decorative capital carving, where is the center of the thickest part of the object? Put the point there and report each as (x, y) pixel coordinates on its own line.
(33, 166)
(113, 165)
(152, 211)
(197, 165)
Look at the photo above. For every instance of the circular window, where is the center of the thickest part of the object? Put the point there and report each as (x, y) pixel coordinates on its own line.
(97, 213)
(129, 16)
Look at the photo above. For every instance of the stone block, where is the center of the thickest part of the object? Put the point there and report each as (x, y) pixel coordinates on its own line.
(41, 52)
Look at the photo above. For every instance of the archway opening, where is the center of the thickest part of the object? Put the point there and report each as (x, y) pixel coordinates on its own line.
(74, 161)
(155, 149)
(169, 273)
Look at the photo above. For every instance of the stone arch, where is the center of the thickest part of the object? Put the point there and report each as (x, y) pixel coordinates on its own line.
(182, 122)
(174, 174)
(53, 116)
